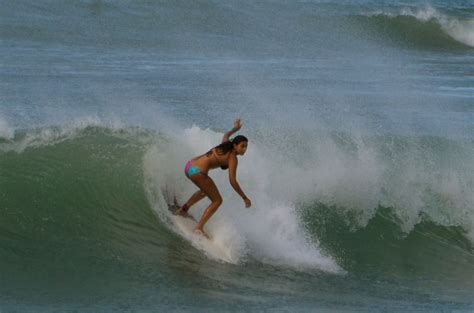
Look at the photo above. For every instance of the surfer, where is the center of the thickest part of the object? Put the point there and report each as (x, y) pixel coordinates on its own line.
(223, 156)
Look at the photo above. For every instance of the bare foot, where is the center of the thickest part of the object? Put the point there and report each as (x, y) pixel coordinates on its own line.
(201, 232)
(182, 212)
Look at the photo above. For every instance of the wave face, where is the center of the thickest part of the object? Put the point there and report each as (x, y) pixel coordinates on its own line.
(71, 196)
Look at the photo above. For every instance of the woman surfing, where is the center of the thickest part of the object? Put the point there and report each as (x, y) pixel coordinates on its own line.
(223, 156)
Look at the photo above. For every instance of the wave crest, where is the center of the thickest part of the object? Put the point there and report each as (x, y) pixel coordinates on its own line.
(427, 25)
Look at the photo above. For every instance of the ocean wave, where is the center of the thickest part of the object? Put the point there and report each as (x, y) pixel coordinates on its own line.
(103, 183)
(18, 140)
(382, 245)
(425, 26)
(269, 232)
(108, 186)
(215, 27)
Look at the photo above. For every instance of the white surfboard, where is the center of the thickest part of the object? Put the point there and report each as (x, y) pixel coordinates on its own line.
(210, 246)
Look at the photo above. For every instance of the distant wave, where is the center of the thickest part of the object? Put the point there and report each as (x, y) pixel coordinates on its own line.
(208, 27)
(425, 27)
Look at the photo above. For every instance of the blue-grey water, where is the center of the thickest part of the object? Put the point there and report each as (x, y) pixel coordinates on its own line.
(360, 167)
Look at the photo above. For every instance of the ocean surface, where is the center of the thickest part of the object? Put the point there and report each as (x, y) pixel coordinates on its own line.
(360, 166)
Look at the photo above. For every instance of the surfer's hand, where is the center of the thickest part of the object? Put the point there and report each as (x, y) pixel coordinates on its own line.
(248, 203)
(237, 125)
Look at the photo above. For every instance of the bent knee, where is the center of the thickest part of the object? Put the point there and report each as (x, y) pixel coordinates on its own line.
(217, 201)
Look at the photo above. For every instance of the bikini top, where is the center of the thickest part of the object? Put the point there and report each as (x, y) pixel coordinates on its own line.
(224, 167)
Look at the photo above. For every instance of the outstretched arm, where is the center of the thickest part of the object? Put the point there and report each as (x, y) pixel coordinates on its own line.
(233, 180)
(236, 128)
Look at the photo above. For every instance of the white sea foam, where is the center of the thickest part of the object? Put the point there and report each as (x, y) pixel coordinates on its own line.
(269, 231)
(409, 180)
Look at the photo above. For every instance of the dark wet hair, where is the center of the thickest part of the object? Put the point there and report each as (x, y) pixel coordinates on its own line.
(227, 146)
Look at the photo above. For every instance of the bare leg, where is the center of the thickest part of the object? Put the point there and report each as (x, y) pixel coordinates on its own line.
(207, 185)
(211, 209)
(196, 197)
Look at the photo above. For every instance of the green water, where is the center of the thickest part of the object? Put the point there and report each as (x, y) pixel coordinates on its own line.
(78, 233)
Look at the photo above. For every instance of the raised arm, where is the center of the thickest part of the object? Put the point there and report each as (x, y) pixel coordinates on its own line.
(233, 179)
(236, 128)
